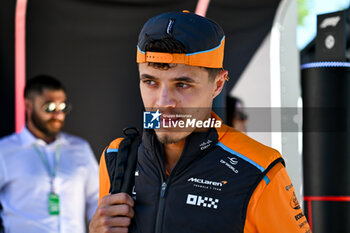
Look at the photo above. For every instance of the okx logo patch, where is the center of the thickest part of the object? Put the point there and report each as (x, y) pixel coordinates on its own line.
(151, 120)
(207, 202)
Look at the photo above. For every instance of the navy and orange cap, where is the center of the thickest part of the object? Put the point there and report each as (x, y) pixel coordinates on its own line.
(203, 39)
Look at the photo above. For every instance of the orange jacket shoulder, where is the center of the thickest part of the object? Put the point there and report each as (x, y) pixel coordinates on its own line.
(248, 147)
(103, 172)
(274, 207)
(115, 143)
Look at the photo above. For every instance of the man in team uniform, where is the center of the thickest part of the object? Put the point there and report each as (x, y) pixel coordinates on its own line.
(193, 173)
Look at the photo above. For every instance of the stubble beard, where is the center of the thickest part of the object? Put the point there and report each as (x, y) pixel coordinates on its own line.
(43, 126)
(171, 139)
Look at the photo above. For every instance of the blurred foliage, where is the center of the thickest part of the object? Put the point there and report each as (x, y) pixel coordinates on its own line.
(303, 11)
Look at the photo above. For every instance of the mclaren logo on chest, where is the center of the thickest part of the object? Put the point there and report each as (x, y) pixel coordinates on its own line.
(207, 202)
(207, 182)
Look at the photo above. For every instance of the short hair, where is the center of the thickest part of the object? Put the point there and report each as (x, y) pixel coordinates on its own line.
(170, 45)
(40, 82)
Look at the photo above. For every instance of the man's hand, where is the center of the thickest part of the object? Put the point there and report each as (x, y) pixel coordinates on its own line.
(113, 214)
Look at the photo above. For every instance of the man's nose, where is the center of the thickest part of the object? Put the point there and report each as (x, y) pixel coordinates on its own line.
(165, 98)
(58, 115)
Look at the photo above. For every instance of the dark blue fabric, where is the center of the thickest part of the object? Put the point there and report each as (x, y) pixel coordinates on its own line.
(195, 32)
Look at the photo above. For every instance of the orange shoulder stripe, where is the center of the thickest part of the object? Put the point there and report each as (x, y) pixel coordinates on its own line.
(104, 183)
(115, 143)
(103, 172)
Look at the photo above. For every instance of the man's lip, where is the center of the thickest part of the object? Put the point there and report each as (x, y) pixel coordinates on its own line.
(55, 122)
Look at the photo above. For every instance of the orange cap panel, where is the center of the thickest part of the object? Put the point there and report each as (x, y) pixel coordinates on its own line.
(211, 58)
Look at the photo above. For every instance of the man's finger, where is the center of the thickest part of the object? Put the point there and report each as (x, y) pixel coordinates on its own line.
(119, 198)
(118, 221)
(116, 210)
(118, 230)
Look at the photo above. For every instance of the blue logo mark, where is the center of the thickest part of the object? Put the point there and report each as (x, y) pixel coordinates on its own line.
(151, 120)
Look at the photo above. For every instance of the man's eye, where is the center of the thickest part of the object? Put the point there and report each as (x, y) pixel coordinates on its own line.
(149, 82)
(183, 85)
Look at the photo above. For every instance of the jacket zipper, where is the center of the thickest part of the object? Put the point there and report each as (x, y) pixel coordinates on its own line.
(160, 213)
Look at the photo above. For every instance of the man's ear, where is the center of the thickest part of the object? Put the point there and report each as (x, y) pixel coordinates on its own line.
(28, 104)
(220, 82)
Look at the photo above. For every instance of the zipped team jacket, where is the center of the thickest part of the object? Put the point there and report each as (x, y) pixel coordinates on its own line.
(224, 182)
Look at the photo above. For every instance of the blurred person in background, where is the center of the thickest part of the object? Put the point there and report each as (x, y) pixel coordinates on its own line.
(235, 114)
(48, 179)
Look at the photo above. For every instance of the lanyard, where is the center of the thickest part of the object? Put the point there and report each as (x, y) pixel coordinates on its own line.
(52, 172)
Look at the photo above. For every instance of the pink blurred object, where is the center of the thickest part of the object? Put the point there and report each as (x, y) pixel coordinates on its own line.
(202, 7)
(20, 63)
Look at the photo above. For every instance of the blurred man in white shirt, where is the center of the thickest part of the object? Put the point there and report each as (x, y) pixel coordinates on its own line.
(48, 179)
